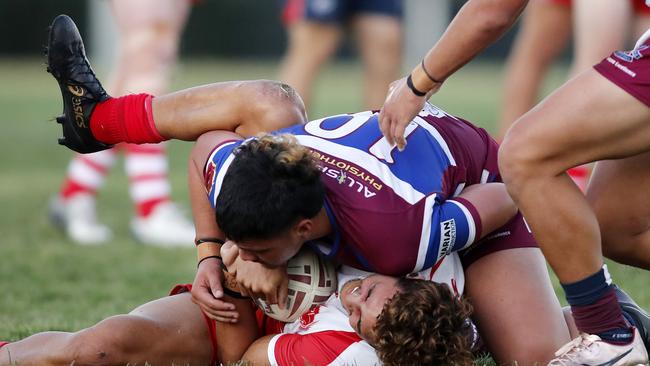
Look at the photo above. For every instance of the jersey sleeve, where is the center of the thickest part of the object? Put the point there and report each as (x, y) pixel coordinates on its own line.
(455, 225)
(331, 347)
(216, 167)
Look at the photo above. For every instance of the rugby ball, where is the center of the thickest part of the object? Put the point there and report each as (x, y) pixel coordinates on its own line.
(311, 282)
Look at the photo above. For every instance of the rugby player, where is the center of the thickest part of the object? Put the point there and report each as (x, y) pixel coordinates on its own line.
(379, 208)
(173, 330)
(600, 115)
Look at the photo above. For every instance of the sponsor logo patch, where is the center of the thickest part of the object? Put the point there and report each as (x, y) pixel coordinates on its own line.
(447, 237)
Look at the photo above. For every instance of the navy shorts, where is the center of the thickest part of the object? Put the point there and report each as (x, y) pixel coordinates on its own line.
(337, 11)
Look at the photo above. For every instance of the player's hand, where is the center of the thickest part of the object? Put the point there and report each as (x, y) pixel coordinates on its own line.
(207, 292)
(255, 279)
(399, 109)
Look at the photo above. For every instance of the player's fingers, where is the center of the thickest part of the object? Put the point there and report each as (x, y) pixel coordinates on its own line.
(283, 294)
(271, 297)
(396, 136)
(229, 253)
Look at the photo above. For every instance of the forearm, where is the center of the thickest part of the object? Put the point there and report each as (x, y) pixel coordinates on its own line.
(244, 107)
(477, 25)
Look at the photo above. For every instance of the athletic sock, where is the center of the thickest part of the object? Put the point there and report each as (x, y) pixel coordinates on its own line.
(87, 173)
(596, 309)
(125, 119)
(2, 344)
(147, 167)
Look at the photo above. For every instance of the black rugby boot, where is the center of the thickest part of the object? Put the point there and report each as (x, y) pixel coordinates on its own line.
(80, 89)
(640, 316)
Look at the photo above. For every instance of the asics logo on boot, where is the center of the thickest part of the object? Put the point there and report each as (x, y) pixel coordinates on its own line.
(78, 111)
(76, 90)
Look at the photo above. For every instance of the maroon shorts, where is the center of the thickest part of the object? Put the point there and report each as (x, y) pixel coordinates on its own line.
(266, 325)
(630, 70)
(514, 234)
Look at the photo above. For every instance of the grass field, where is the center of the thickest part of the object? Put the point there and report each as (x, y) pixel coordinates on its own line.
(47, 282)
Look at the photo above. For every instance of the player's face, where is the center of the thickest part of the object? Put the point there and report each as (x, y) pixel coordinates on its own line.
(271, 252)
(364, 300)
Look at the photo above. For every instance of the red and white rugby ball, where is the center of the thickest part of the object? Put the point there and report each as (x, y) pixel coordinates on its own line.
(311, 281)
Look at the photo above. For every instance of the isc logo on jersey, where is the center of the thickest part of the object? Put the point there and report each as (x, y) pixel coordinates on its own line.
(447, 237)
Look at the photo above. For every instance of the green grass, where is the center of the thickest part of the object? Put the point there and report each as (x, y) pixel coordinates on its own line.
(49, 283)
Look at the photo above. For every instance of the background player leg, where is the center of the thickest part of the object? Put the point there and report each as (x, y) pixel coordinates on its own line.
(619, 196)
(310, 45)
(531, 56)
(164, 331)
(380, 41)
(515, 308)
(150, 34)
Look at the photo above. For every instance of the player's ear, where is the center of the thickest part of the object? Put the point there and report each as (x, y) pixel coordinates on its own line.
(303, 228)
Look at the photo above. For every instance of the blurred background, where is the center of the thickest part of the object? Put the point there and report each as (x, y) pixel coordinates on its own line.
(47, 281)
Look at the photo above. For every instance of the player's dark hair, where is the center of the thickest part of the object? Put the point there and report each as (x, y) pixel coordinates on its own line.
(272, 182)
(424, 323)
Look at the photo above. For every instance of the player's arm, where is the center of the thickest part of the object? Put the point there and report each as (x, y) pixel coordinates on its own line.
(493, 204)
(478, 24)
(328, 347)
(207, 290)
(244, 107)
(476, 212)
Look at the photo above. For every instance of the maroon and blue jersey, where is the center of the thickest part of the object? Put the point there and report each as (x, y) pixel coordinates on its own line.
(392, 212)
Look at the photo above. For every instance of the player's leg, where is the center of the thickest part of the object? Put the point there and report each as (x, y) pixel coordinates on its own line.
(314, 32)
(515, 307)
(73, 208)
(531, 56)
(150, 33)
(378, 28)
(618, 196)
(600, 26)
(164, 331)
(588, 119)
(93, 121)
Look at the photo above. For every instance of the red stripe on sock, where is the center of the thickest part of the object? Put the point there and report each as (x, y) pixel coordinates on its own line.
(145, 208)
(71, 188)
(2, 344)
(125, 119)
(93, 164)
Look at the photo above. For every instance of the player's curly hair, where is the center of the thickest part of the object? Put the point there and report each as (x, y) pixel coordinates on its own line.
(272, 182)
(424, 323)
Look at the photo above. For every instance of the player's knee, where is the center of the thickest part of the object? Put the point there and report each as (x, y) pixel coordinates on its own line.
(514, 165)
(282, 99)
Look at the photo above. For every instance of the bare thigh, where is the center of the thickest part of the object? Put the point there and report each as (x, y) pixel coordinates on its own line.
(515, 308)
(619, 193)
(586, 120)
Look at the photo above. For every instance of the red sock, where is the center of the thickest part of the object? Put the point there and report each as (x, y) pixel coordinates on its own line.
(125, 119)
(2, 344)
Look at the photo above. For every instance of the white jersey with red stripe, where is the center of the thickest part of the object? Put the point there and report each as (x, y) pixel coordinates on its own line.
(323, 336)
